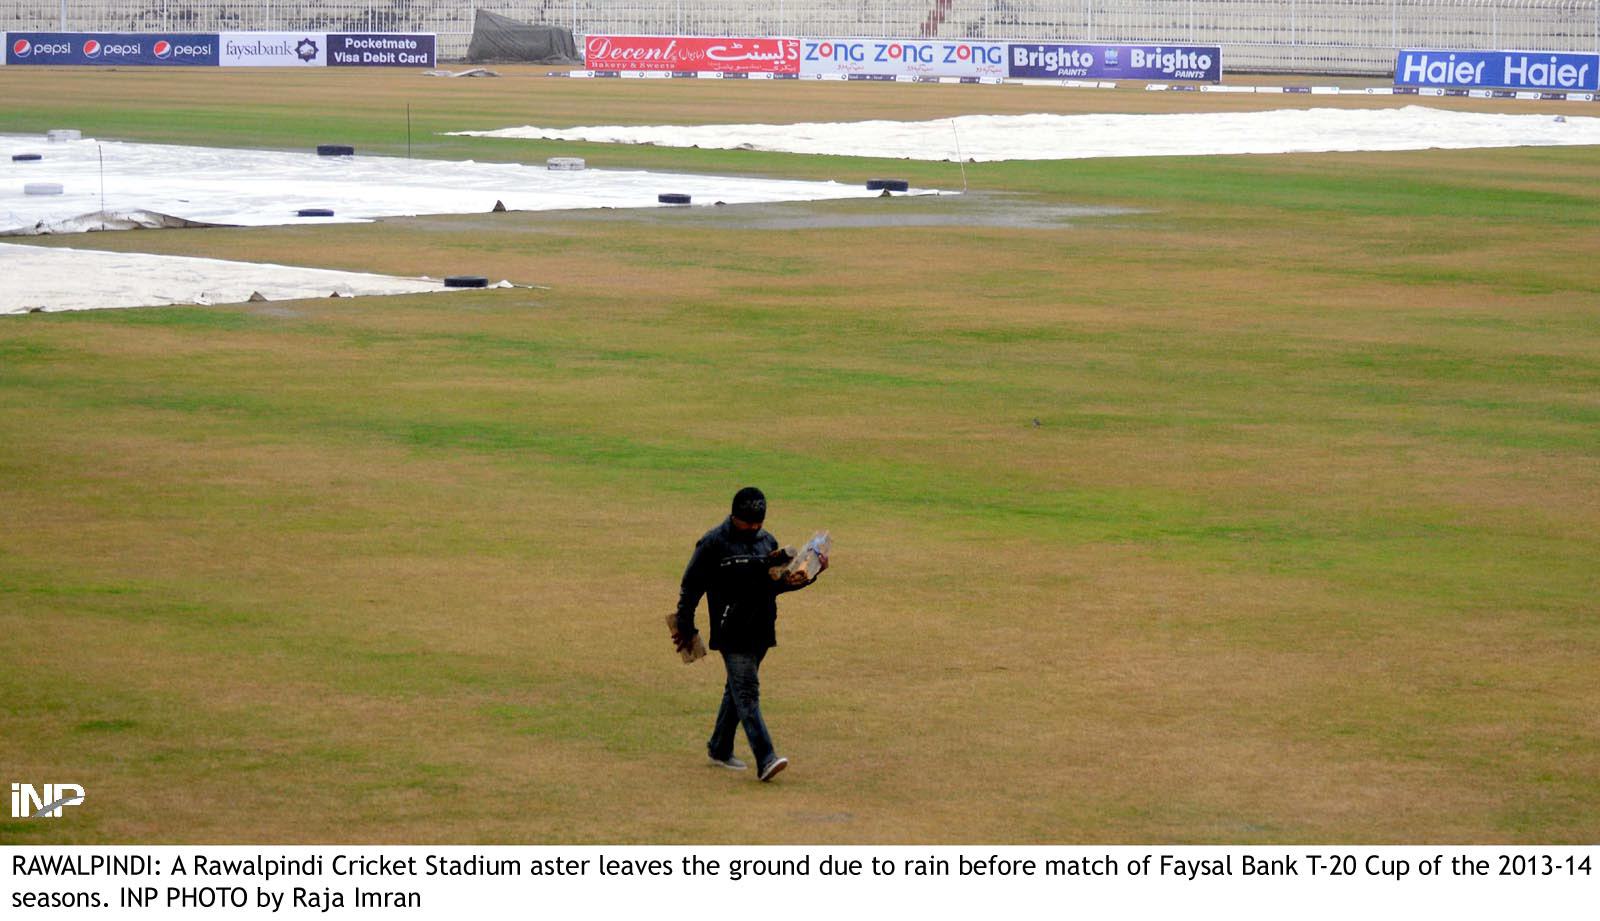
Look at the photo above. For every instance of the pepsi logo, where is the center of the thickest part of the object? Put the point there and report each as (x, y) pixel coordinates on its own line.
(23, 48)
(163, 49)
(91, 48)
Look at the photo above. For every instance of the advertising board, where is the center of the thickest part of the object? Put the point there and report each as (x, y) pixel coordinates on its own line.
(901, 57)
(169, 49)
(696, 53)
(381, 49)
(273, 49)
(1115, 62)
(1516, 70)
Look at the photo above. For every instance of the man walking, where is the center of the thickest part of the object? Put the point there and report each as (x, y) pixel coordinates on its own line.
(730, 567)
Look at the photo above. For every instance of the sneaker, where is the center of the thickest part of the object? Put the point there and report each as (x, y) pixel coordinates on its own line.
(730, 762)
(773, 767)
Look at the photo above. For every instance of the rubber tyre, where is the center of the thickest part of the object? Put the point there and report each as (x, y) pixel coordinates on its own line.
(672, 198)
(18, 158)
(465, 281)
(335, 150)
(315, 212)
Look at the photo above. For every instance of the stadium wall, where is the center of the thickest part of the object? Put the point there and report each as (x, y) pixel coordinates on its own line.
(1356, 37)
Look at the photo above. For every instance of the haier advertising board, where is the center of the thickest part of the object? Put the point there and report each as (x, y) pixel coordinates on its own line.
(901, 57)
(171, 49)
(1512, 70)
(1116, 62)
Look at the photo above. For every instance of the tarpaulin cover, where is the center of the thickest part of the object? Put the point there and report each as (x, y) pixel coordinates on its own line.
(502, 39)
(99, 183)
(1070, 137)
(57, 278)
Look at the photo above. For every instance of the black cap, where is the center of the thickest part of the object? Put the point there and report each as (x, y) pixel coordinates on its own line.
(750, 505)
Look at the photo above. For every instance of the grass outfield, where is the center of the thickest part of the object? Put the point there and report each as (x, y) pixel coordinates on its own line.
(1264, 511)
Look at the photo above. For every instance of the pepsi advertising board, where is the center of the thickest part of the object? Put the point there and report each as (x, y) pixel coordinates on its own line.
(387, 49)
(112, 48)
(1115, 62)
(901, 57)
(1514, 70)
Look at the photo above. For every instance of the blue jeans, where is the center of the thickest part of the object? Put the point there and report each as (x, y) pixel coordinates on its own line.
(741, 706)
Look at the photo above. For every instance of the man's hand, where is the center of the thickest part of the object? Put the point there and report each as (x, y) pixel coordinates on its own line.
(799, 579)
(683, 642)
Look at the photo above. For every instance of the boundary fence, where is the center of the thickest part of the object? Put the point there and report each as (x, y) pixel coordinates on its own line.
(1356, 37)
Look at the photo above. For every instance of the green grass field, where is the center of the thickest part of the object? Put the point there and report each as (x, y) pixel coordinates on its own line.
(1261, 508)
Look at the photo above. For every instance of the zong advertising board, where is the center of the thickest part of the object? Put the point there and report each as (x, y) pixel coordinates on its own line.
(901, 57)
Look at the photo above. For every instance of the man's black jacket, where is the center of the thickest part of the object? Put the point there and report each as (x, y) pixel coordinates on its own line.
(729, 568)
